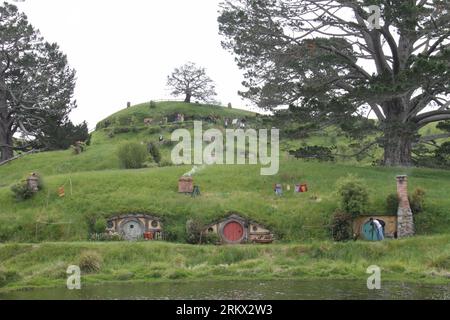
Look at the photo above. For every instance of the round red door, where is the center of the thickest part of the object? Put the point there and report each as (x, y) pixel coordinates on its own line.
(233, 231)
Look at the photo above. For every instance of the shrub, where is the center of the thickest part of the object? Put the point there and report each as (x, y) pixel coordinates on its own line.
(392, 203)
(165, 163)
(152, 104)
(154, 130)
(90, 262)
(341, 226)
(132, 155)
(23, 192)
(193, 231)
(7, 276)
(210, 238)
(354, 195)
(89, 139)
(154, 152)
(100, 225)
(417, 200)
(119, 130)
(314, 153)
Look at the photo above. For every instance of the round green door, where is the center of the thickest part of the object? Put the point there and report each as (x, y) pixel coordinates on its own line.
(369, 232)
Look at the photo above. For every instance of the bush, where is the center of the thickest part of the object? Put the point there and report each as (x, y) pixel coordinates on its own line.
(7, 276)
(119, 130)
(341, 226)
(22, 191)
(90, 262)
(193, 231)
(354, 195)
(132, 155)
(165, 163)
(154, 152)
(314, 153)
(392, 204)
(210, 238)
(154, 130)
(100, 225)
(417, 200)
(152, 105)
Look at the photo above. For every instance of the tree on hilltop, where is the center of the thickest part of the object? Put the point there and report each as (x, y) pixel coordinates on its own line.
(192, 82)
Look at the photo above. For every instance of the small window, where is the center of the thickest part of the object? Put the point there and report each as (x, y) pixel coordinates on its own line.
(210, 230)
(132, 226)
(154, 224)
(255, 228)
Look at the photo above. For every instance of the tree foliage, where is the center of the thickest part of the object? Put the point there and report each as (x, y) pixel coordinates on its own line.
(192, 82)
(323, 60)
(57, 134)
(36, 82)
(354, 195)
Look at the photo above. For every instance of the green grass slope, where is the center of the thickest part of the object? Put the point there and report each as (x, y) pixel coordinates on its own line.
(102, 153)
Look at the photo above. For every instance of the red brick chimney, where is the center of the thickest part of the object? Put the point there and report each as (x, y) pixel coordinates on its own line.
(405, 221)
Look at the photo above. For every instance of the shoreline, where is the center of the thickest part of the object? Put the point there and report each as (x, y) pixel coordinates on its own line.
(423, 260)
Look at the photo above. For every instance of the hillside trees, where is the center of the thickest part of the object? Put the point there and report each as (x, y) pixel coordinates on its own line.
(192, 82)
(36, 82)
(326, 62)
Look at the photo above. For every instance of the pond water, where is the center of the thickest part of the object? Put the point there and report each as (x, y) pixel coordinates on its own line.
(240, 290)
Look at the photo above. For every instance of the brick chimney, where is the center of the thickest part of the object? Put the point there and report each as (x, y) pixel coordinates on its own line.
(405, 221)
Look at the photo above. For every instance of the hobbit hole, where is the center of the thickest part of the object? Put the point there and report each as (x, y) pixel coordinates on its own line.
(136, 227)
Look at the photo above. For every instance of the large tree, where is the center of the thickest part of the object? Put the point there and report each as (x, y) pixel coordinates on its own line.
(192, 82)
(36, 83)
(326, 61)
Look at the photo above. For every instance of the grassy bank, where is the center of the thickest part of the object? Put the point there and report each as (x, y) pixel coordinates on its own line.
(225, 189)
(422, 259)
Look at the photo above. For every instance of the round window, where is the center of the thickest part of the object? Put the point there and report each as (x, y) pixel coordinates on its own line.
(210, 230)
(255, 228)
(155, 224)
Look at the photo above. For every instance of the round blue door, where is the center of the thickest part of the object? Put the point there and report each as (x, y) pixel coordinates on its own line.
(369, 232)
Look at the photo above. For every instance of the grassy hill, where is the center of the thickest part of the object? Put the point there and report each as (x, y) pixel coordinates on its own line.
(100, 188)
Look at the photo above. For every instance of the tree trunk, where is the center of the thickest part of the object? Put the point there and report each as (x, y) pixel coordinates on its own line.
(6, 140)
(188, 98)
(6, 146)
(397, 142)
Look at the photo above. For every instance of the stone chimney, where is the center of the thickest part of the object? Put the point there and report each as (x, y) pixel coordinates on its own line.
(33, 183)
(405, 221)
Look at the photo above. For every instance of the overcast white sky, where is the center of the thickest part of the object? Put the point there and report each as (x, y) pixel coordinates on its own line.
(124, 50)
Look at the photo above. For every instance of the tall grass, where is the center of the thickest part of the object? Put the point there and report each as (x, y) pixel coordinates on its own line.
(424, 259)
